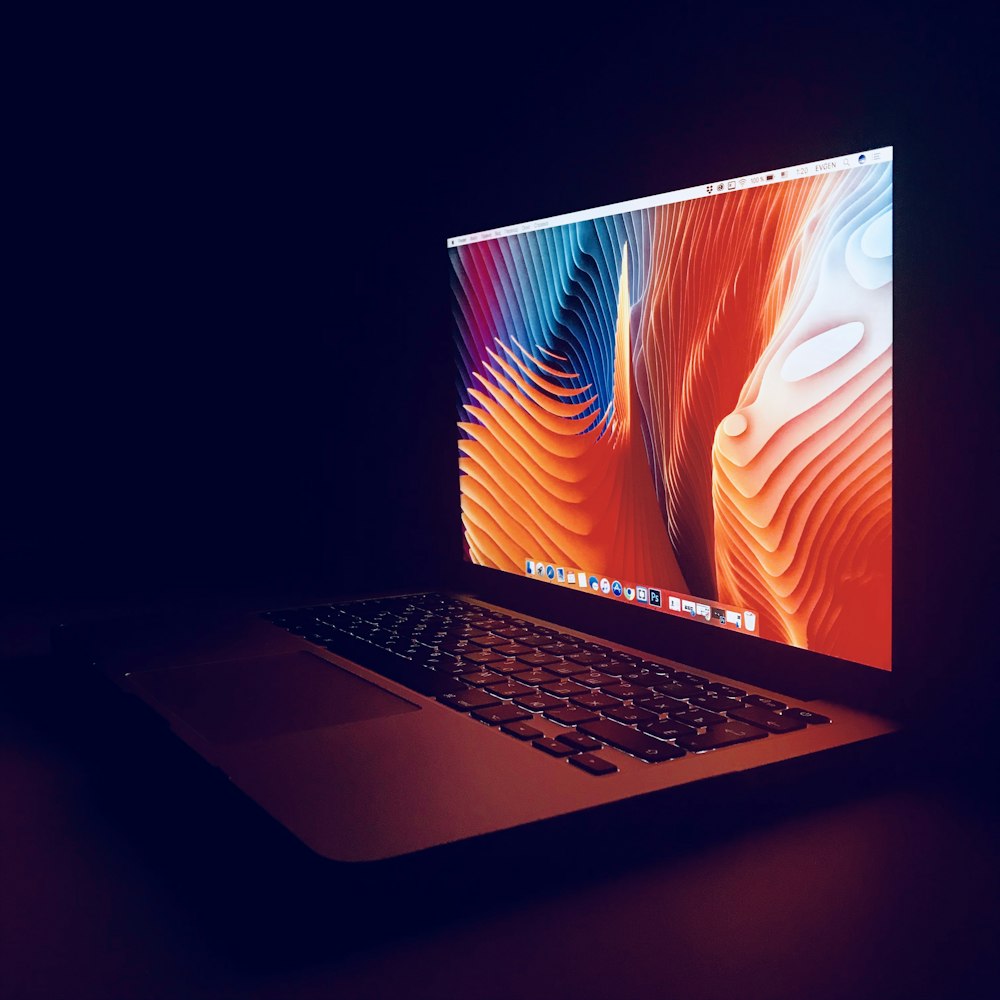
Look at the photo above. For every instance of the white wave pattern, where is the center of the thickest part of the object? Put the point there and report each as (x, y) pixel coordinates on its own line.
(802, 465)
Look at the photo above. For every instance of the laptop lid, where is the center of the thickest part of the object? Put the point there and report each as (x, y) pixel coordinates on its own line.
(675, 419)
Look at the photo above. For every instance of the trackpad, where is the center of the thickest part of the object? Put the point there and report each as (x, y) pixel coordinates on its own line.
(240, 700)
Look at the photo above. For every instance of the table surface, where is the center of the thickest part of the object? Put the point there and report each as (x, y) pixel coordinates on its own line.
(130, 869)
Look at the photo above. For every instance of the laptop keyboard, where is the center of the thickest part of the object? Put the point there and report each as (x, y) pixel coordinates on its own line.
(507, 672)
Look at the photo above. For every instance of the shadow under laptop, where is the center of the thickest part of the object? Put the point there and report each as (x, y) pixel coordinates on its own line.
(258, 900)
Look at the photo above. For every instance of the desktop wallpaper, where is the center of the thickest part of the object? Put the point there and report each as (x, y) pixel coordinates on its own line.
(695, 397)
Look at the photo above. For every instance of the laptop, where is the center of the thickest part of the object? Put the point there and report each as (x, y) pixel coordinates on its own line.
(673, 486)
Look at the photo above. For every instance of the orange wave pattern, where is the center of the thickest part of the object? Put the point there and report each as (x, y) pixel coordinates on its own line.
(802, 466)
(721, 270)
(696, 397)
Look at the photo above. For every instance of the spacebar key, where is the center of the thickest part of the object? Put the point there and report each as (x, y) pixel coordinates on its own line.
(431, 684)
(414, 676)
(396, 668)
(638, 744)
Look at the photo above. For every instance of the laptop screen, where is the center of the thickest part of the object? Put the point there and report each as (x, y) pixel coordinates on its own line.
(684, 402)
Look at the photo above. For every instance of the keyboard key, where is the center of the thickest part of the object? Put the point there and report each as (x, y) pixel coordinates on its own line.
(423, 681)
(481, 678)
(618, 667)
(535, 676)
(494, 716)
(699, 717)
(677, 689)
(521, 731)
(580, 741)
(538, 702)
(658, 668)
(481, 656)
(511, 631)
(462, 666)
(566, 668)
(506, 666)
(638, 744)
(534, 639)
(593, 765)
(726, 689)
(319, 633)
(468, 699)
(685, 678)
(623, 691)
(465, 631)
(459, 647)
(660, 703)
(597, 647)
(642, 676)
(771, 704)
(512, 649)
(442, 662)
(560, 648)
(572, 715)
(594, 700)
(666, 729)
(562, 688)
(721, 736)
(813, 718)
(770, 721)
(490, 621)
(553, 747)
(436, 642)
(715, 702)
(593, 679)
(509, 688)
(400, 645)
(537, 659)
(588, 658)
(486, 641)
(629, 714)
(411, 628)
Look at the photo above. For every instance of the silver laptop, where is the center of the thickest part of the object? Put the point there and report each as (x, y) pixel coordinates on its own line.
(673, 483)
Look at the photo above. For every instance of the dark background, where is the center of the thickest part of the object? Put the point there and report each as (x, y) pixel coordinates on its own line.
(227, 371)
(232, 363)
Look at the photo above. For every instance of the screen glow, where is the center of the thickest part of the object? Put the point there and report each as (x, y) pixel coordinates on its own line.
(692, 399)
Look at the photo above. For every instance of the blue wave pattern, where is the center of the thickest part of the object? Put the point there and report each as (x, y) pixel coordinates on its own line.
(552, 291)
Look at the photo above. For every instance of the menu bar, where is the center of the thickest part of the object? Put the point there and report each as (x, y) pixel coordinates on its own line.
(713, 189)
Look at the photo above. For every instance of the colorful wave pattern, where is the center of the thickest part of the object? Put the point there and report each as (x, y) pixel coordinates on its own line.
(695, 396)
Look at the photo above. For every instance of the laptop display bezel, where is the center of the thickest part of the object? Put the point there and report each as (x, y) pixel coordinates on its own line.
(798, 671)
